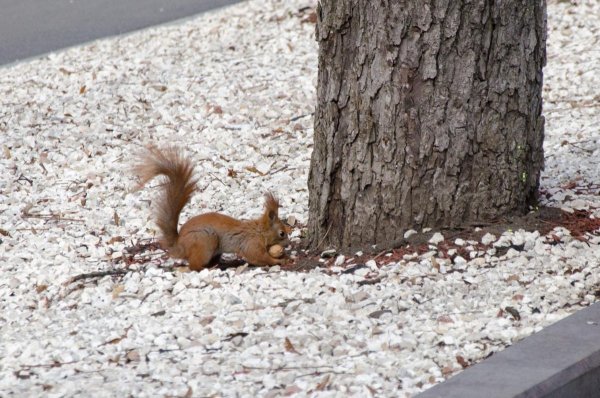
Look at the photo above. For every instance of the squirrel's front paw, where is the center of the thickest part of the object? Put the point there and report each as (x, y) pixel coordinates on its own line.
(282, 261)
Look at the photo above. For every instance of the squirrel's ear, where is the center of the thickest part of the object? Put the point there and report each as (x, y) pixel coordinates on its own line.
(271, 206)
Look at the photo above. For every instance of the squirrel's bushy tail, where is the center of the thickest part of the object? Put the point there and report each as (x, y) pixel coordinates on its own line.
(177, 190)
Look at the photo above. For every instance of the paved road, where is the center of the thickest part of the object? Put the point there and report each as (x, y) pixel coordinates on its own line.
(33, 27)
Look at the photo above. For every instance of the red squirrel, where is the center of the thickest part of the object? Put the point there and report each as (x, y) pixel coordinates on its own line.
(203, 238)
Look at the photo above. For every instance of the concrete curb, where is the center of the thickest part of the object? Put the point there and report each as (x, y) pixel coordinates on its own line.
(562, 360)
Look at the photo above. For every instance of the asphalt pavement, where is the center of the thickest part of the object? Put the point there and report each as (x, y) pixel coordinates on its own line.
(30, 28)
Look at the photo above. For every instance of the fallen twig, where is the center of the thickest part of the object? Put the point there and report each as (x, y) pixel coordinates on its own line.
(97, 274)
(371, 281)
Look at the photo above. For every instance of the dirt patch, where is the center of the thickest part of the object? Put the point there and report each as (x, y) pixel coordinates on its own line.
(544, 220)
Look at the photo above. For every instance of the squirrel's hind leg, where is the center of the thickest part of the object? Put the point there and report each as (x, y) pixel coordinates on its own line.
(200, 253)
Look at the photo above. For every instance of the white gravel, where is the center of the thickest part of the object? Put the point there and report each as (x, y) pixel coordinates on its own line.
(237, 88)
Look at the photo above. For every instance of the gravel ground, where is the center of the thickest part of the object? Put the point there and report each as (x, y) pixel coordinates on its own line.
(236, 87)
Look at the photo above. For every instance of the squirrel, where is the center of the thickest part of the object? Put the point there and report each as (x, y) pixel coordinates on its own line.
(203, 238)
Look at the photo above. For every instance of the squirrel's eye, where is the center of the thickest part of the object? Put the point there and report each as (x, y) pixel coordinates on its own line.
(282, 234)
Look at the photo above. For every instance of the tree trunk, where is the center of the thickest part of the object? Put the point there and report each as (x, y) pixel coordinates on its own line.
(428, 114)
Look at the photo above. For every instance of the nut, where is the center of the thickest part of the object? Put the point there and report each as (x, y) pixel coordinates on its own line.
(276, 251)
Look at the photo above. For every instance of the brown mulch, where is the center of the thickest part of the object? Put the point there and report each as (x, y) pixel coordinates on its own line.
(544, 220)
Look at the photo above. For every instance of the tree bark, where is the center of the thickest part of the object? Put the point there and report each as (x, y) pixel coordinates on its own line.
(428, 114)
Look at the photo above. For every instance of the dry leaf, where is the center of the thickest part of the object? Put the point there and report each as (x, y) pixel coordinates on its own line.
(207, 320)
(118, 339)
(462, 361)
(115, 239)
(435, 264)
(378, 314)
(310, 18)
(291, 390)
(116, 219)
(444, 319)
(517, 297)
(233, 337)
(4, 232)
(118, 289)
(513, 311)
(82, 90)
(241, 269)
(160, 88)
(554, 239)
(253, 169)
(231, 173)
(114, 341)
(447, 370)
(323, 384)
(41, 288)
(289, 347)
(570, 185)
(133, 356)
(25, 210)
